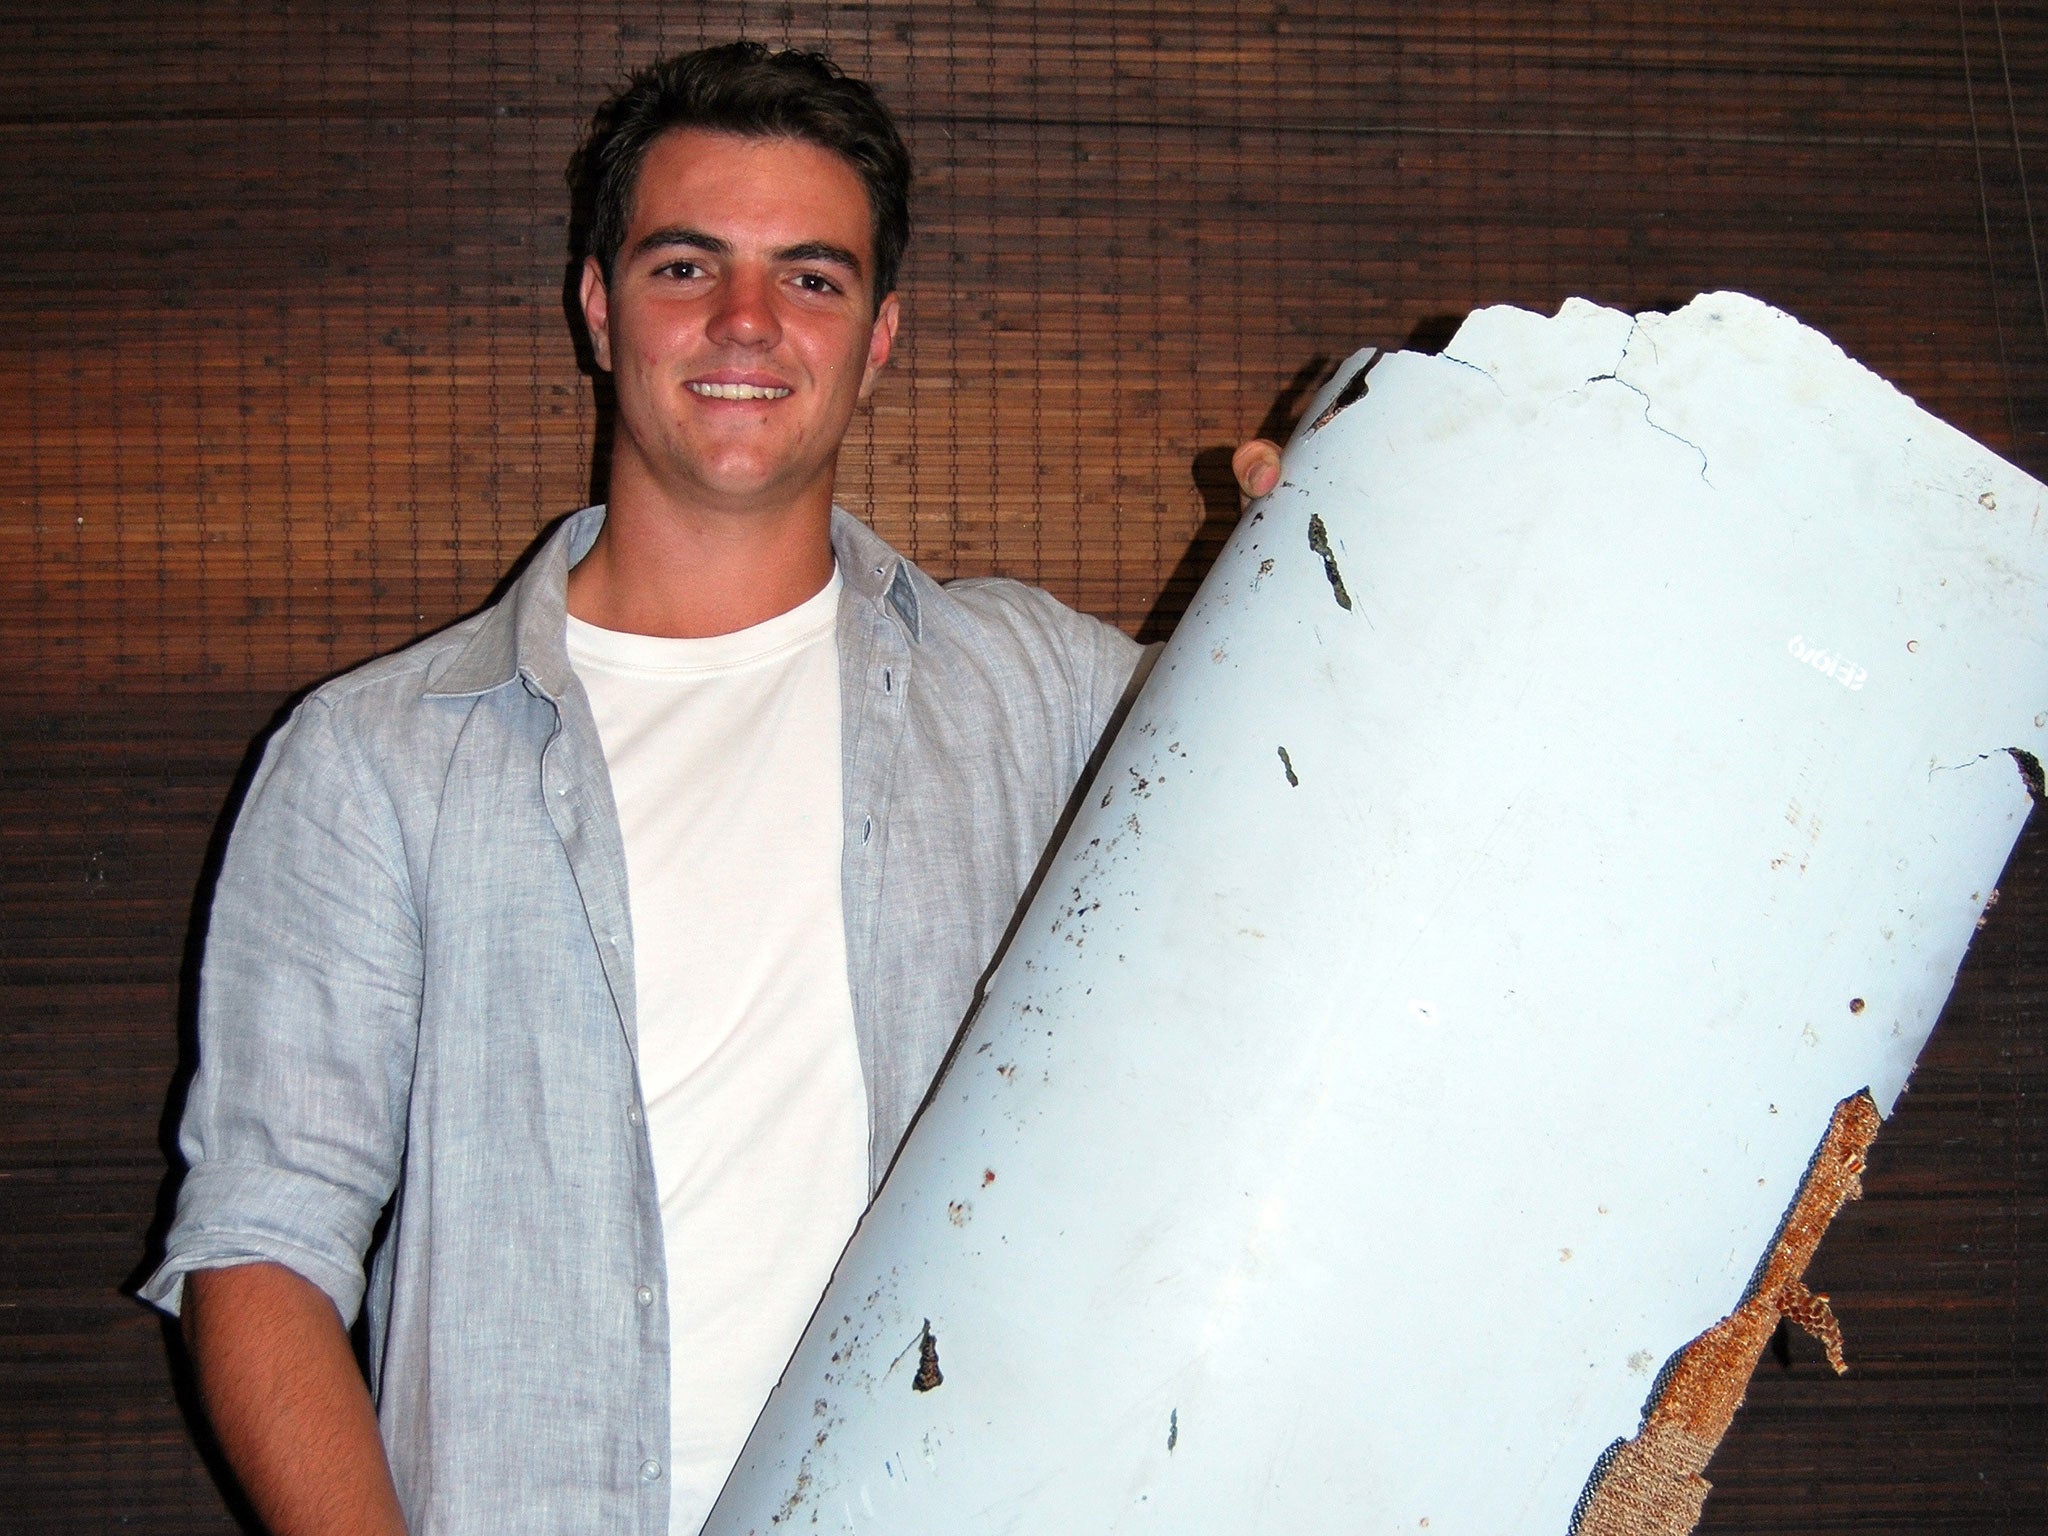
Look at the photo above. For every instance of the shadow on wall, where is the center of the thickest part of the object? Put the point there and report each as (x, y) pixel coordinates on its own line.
(184, 1383)
(1216, 484)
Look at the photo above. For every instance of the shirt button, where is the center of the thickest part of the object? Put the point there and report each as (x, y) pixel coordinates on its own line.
(650, 1470)
(633, 1115)
(644, 1295)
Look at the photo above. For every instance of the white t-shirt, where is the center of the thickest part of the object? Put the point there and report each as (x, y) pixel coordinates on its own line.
(725, 765)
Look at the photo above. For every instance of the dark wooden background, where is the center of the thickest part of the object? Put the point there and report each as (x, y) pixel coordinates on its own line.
(287, 381)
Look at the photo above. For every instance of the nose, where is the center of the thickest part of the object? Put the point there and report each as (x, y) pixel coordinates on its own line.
(745, 315)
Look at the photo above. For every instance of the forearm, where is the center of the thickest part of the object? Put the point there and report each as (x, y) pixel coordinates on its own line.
(287, 1402)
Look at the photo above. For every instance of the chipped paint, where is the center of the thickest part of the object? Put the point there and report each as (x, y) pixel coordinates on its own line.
(1319, 542)
(927, 1376)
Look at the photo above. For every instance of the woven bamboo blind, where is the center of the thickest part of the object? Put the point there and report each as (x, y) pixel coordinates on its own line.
(289, 381)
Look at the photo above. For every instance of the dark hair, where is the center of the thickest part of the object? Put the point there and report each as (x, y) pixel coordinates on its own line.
(742, 88)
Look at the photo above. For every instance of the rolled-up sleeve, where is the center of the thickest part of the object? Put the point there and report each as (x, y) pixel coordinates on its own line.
(309, 1007)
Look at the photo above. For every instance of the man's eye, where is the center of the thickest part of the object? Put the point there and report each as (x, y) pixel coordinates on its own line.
(816, 282)
(680, 269)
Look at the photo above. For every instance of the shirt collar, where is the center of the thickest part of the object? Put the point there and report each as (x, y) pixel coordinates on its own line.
(874, 571)
(522, 634)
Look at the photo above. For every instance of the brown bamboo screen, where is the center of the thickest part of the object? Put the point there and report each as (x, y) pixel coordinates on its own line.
(288, 381)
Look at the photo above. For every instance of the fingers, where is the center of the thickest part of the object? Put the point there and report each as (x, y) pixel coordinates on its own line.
(1257, 467)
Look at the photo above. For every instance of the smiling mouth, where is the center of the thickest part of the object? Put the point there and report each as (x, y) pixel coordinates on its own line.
(738, 391)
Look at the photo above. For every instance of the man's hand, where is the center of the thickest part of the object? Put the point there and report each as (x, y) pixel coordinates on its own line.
(287, 1402)
(1257, 467)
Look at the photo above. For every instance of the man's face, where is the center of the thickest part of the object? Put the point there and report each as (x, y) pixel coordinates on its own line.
(739, 326)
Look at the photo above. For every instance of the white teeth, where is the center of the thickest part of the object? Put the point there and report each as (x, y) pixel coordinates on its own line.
(738, 391)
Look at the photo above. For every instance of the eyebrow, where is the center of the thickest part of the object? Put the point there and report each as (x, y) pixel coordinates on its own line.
(675, 235)
(821, 250)
(696, 240)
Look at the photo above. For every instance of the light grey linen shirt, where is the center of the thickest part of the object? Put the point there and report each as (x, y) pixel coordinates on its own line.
(418, 992)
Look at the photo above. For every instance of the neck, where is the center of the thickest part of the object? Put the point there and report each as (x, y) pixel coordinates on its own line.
(686, 573)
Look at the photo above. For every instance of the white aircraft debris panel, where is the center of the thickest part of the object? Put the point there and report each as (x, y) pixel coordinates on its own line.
(1464, 994)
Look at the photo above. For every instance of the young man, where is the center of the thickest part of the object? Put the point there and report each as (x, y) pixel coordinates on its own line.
(603, 945)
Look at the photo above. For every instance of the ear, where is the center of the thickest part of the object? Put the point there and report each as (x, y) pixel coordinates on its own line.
(597, 313)
(880, 341)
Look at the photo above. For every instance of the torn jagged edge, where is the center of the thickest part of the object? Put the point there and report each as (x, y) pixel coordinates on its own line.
(1653, 1484)
(1354, 390)
(2028, 764)
(2030, 773)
